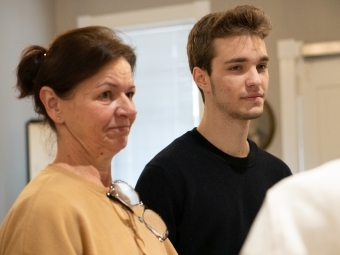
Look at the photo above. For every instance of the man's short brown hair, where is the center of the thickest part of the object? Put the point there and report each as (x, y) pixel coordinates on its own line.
(245, 19)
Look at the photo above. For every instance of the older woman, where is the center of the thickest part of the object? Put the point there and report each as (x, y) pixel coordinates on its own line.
(83, 87)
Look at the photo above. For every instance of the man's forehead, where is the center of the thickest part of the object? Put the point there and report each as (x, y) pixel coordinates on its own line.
(240, 48)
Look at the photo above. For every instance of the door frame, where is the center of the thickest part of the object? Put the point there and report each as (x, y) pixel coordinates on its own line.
(291, 54)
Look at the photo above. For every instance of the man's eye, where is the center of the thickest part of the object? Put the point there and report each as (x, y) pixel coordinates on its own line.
(261, 67)
(235, 68)
(130, 94)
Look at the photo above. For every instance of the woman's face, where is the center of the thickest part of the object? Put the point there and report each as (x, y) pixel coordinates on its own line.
(101, 111)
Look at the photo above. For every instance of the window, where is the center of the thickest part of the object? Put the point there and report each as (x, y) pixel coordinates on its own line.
(167, 101)
(166, 98)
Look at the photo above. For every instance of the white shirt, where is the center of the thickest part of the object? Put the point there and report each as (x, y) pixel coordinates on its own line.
(300, 215)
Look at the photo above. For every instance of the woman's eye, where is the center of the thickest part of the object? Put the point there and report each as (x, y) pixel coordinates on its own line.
(105, 95)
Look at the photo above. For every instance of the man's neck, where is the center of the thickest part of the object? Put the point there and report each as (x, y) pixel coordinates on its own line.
(228, 136)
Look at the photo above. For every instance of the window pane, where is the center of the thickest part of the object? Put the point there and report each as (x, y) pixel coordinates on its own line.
(164, 97)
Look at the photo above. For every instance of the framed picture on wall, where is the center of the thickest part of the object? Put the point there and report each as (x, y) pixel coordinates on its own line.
(40, 147)
(261, 130)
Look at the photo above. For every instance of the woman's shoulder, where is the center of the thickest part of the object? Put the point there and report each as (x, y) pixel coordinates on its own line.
(56, 190)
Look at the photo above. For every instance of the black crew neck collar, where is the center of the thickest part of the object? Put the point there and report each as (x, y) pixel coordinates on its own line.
(242, 162)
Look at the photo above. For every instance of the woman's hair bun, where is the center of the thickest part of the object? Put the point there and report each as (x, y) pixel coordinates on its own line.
(28, 68)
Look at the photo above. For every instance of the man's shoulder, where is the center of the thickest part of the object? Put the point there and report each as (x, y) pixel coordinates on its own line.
(267, 157)
(176, 159)
(177, 148)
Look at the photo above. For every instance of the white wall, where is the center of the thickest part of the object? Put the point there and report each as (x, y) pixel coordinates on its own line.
(305, 20)
(24, 22)
(21, 23)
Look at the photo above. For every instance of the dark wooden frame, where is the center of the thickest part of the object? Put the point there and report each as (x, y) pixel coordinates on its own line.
(261, 130)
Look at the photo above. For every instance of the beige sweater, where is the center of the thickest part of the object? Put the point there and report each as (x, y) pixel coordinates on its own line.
(59, 212)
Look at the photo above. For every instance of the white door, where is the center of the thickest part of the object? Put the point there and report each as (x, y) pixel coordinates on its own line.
(320, 105)
(310, 103)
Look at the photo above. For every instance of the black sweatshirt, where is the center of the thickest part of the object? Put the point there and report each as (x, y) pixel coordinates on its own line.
(208, 199)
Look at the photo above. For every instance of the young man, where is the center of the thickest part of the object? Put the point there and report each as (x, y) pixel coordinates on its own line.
(209, 183)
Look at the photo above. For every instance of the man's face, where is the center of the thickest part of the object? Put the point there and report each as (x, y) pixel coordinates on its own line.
(239, 77)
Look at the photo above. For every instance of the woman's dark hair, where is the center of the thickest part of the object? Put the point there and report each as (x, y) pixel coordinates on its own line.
(72, 57)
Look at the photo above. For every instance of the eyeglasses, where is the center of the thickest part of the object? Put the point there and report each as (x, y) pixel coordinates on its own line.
(124, 193)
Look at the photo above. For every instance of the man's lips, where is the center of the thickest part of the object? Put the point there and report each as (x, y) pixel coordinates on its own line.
(252, 97)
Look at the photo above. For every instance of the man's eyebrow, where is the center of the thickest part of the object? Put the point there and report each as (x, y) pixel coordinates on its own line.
(236, 60)
(241, 60)
(264, 58)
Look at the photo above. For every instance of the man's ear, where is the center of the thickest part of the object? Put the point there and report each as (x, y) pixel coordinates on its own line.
(51, 102)
(201, 78)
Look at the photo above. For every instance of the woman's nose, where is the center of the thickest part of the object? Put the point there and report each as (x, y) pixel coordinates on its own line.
(125, 106)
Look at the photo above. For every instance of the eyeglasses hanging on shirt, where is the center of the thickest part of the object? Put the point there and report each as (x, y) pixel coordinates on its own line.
(124, 193)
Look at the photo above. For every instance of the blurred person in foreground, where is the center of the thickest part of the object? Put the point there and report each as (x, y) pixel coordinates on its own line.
(300, 215)
(209, 184)
(83, 87)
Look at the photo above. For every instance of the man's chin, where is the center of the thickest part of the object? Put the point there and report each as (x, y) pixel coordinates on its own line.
(254, 116)
(251, 114)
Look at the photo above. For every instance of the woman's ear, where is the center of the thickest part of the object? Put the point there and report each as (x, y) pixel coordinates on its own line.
(201, 78)
(51, 102)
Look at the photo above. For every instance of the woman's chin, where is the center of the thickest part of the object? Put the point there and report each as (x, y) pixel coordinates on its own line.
(119, 145)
